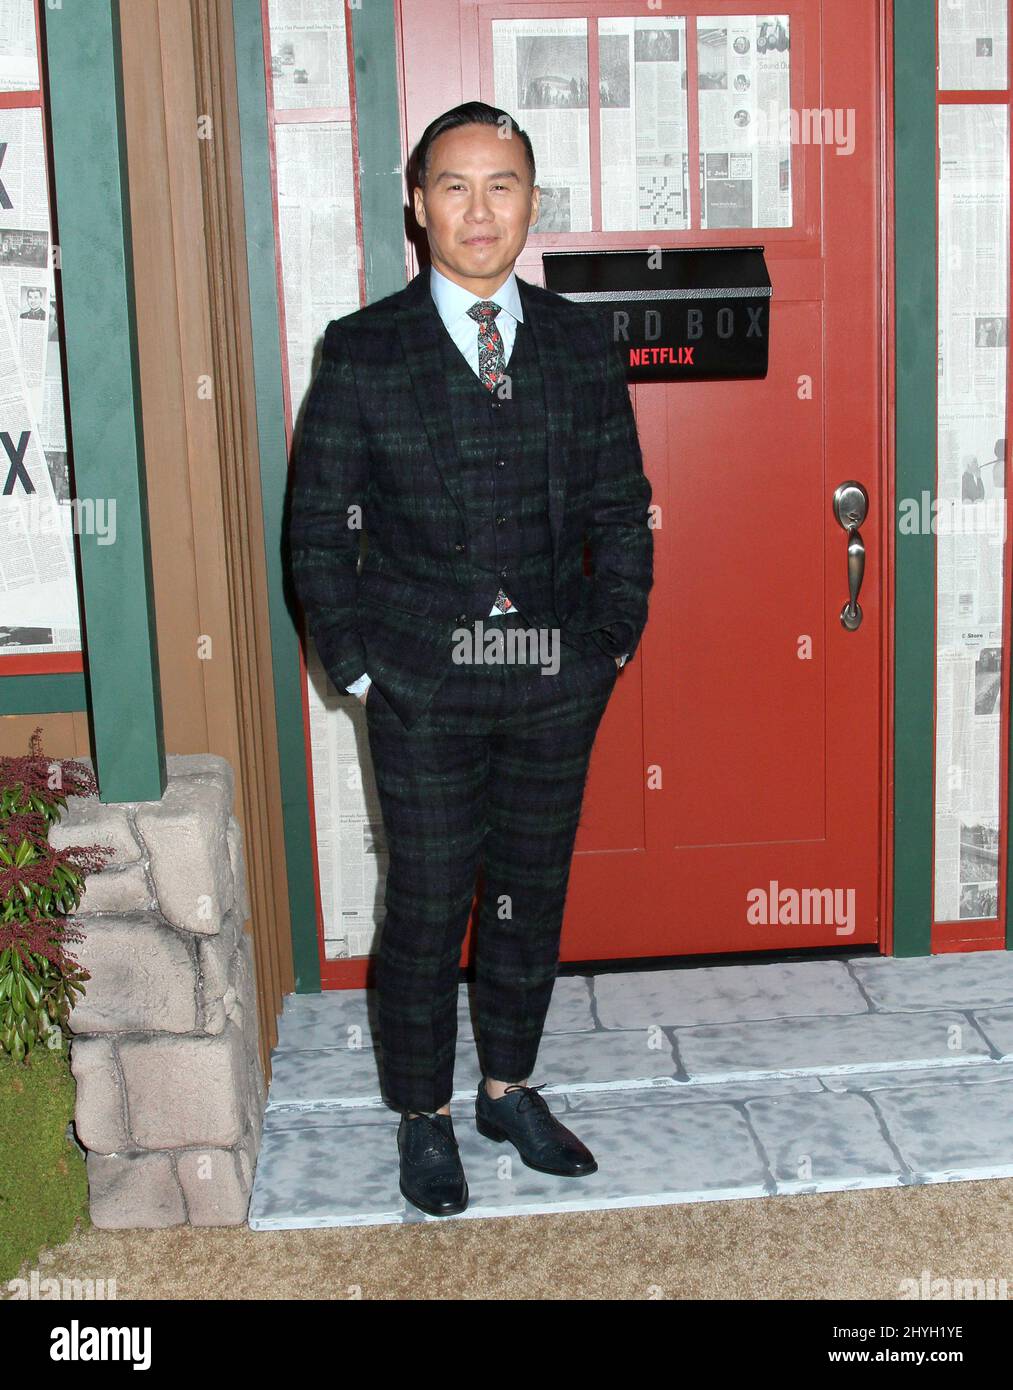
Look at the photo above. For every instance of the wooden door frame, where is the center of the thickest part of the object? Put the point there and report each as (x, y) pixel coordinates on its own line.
(197, 406)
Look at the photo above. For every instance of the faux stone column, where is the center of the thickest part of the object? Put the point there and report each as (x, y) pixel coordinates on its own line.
(170, 1090)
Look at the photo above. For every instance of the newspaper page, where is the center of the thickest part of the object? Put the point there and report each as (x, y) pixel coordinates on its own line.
(19, 63)
(309, 60)
(745, 133)
(970, 519)
(319, 249)
(38, 583)
(540, 77)
(38, 590)
(351, 847)
(972, 44)
(26, 277)
(320, 282)
(644, 124)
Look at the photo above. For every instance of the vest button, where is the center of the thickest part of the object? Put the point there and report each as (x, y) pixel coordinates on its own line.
(500, 520)
(462, 617)
(459, 545)
(501, 463)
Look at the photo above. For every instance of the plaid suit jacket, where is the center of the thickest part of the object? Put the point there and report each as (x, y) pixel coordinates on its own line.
(377, 452)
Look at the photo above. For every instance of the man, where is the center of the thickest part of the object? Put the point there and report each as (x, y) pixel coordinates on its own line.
(476, 486)
(35, 309)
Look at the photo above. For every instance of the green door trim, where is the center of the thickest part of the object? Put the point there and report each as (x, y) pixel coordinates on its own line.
(60, 693)
(84, 96)
(273, 449)
(914, 112)
(377, 103)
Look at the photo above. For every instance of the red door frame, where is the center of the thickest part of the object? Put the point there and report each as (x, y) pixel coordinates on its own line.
(353, 973)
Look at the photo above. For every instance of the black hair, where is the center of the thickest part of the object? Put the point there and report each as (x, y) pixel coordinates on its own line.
(470, 113)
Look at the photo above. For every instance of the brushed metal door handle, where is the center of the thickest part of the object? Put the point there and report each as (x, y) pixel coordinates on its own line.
(851, 507)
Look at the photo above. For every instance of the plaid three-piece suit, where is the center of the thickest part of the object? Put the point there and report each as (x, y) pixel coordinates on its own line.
(462, 491)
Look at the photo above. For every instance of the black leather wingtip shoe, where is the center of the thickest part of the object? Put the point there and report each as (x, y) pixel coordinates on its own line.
(523, 1117)
(432, 1175)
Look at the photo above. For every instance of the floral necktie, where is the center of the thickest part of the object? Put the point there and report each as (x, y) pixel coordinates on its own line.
(491, 357)
(491, 361)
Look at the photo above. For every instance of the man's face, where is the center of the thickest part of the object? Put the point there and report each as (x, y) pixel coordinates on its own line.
(477, 205)
(34, 299)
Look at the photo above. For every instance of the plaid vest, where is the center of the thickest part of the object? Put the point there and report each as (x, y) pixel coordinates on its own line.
(501, 450)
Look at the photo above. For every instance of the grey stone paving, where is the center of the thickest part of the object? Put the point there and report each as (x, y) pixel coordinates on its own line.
(688, 1085)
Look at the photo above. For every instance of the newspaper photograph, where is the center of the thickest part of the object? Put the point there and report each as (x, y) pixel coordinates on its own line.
(973, 210)
(19, 62)
(319, 255)
(540, 76)
(644, 124)
(745, 137)
(38, 588)
(26, 277)
(972, 44)
(309, 60)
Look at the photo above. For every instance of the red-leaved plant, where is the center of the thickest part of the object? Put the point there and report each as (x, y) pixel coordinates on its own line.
(39, 886)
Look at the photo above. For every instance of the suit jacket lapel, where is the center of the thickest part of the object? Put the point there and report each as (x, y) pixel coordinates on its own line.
(419, 327)
(551, 347)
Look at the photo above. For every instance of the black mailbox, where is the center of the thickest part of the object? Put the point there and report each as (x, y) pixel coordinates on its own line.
(693, 314)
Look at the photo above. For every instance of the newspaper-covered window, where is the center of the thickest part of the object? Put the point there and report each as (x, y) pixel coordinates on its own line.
(39, 612)
(973, 205)
(644, 125)
(540, 77)
(745, 135)
(972, 45)
(320, 282)
(309, 67)
(316, 224)
(19, 57)
(308, 102)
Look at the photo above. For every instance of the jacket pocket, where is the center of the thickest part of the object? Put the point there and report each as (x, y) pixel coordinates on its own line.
(376, 586)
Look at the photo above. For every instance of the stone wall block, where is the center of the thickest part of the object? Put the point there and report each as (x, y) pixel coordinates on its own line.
(127, 1190)
(88, 821)
(143, 976)
(185, 1091)
(235, 838)
(185, 835)
(117, 890)
(216, 1184)
(99, 1105)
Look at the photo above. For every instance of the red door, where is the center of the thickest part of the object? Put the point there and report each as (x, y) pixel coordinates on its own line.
(734, 799)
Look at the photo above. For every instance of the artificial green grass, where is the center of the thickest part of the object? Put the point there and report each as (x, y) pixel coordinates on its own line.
(43, 1178)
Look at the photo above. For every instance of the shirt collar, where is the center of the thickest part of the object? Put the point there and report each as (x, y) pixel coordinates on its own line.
(453, 301)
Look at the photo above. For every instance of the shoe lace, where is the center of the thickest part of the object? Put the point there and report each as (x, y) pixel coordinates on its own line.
(531, 1099)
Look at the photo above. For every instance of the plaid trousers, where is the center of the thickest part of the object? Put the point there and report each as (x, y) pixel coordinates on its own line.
(492, 775)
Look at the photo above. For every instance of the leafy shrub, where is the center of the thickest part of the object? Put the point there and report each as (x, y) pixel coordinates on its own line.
(40, 886)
